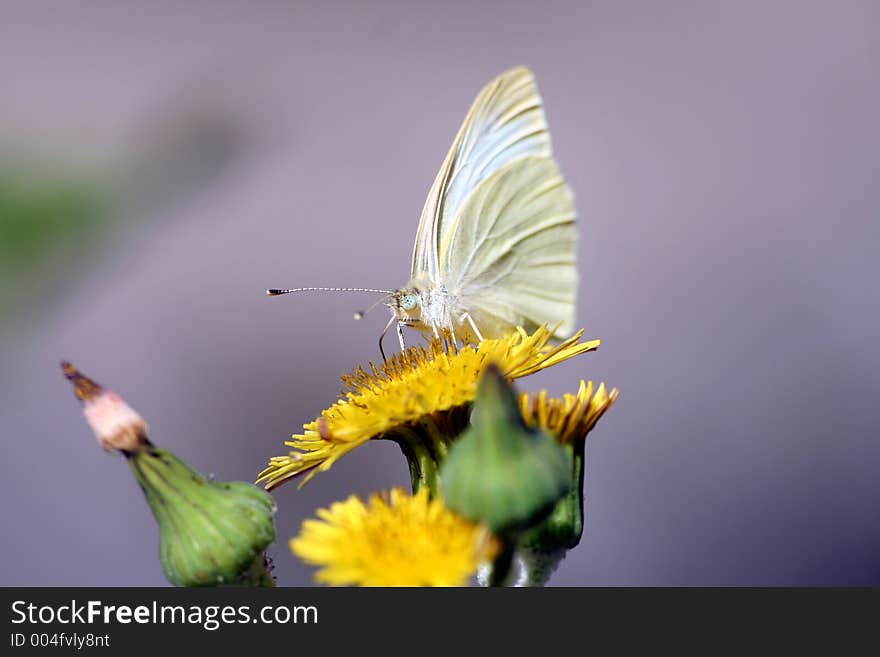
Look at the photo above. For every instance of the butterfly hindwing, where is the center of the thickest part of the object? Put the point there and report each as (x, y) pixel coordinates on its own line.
(511, 259)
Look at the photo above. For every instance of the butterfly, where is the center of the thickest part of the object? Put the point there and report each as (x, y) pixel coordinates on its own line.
(495, 248)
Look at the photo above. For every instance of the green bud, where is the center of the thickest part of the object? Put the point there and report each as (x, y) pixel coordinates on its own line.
(210, 532)
(500, 472)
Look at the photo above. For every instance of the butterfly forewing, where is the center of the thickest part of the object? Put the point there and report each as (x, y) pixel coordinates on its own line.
(505, 122)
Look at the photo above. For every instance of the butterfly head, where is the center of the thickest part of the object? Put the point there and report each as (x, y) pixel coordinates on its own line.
(406, 305)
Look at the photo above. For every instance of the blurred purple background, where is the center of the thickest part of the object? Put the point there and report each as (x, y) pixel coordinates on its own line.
(724, 158)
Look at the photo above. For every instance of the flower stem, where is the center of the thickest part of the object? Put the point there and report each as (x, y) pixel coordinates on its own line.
(503, 564)
(537, 566)
(422, 463)
(426, 442)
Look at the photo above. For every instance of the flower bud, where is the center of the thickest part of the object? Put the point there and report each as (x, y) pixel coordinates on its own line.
(500, 472)
(209, 532)
(117, 426)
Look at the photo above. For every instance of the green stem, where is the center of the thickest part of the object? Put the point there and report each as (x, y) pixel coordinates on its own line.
(503, 564)
(422, 462)
(538, 566)
(425, 444)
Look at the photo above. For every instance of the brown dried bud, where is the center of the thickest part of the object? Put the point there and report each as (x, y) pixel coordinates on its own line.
(117, 426)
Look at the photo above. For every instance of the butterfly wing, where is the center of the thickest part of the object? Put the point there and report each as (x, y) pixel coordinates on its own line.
(509, 258)
(505, 122)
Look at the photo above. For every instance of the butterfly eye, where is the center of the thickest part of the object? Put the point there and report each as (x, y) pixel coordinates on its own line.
(408, 302)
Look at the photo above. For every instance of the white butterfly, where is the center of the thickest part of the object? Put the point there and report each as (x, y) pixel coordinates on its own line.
(495, 247)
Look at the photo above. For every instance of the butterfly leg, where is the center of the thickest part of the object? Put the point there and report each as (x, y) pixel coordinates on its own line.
(382, 337)
(400, 336)
(451, 339)
(467, 316)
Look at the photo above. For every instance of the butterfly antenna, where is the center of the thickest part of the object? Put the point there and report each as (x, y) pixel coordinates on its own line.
(274, 292)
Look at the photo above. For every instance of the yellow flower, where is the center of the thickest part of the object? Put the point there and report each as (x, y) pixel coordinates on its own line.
(396, 540)
(571, 417)
(413, 389)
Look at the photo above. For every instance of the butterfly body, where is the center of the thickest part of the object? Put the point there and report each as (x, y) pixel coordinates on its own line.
(428, 307)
